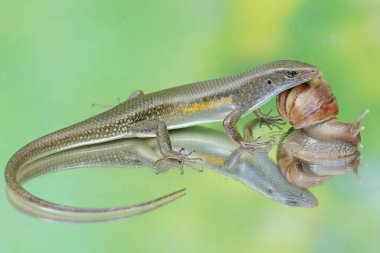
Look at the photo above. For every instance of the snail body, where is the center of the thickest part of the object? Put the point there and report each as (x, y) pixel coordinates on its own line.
(323, 141)
(310, 156)
(335, 129)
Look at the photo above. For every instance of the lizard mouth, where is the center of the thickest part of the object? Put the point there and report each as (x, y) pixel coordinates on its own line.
(315, 73)
(308, 201)
(312, 74)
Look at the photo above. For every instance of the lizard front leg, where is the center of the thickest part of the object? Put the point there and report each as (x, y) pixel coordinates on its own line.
(229, 124)
(247, 134)
(170, 158)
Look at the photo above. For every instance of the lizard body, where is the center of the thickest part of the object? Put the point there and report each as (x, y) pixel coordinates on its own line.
(147, 115)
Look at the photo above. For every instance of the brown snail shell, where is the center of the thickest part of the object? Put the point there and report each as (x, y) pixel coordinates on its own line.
(308, 104)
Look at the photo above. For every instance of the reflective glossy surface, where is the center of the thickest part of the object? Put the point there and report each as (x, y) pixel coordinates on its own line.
(59, 57)
(213, 150)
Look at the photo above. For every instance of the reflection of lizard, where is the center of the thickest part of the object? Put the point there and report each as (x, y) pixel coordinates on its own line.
(225, 99)
(256, 171)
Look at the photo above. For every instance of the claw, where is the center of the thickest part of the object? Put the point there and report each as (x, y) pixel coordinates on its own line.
(176, 160)
(257, 146)
(96, 105)
(269, 121)
(191, 152)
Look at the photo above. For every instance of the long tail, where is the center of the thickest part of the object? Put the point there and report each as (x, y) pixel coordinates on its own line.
(16, 174)
(45, 210)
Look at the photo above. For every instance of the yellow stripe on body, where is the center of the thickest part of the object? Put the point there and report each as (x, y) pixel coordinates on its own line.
(206, 105)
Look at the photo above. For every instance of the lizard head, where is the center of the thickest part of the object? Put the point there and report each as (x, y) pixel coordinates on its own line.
(287, 74)
(273, 78)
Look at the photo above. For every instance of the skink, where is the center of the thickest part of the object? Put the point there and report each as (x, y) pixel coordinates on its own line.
(226, 99)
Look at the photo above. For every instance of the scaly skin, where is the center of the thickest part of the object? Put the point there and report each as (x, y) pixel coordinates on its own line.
(225, 99)
(256, 171)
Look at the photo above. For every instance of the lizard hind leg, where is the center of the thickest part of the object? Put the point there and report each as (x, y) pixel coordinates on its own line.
(164, 164)
(134, 94)
(170, 157)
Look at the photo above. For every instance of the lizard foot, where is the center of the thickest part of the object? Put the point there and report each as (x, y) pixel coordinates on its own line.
(268, 120)
(96, 105)
(176, 160)
(250, 147)
(257, 146)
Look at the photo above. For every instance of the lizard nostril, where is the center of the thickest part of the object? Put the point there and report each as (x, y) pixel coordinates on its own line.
(315, 71)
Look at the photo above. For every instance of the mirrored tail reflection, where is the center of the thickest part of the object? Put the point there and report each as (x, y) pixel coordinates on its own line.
(214, 148)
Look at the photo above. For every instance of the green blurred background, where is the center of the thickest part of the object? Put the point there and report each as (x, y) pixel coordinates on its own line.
(59, 57)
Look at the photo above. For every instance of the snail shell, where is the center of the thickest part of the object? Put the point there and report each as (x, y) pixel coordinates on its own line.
(308, 104)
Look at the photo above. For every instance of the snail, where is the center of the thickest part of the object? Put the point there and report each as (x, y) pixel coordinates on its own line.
(308, 104)
(328, 140)
(310, 156)
(321, 146)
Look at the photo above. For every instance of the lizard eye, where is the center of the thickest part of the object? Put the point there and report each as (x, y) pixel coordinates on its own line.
(291, 74)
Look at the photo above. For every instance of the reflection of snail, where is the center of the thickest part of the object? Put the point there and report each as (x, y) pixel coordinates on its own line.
(321, 146)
